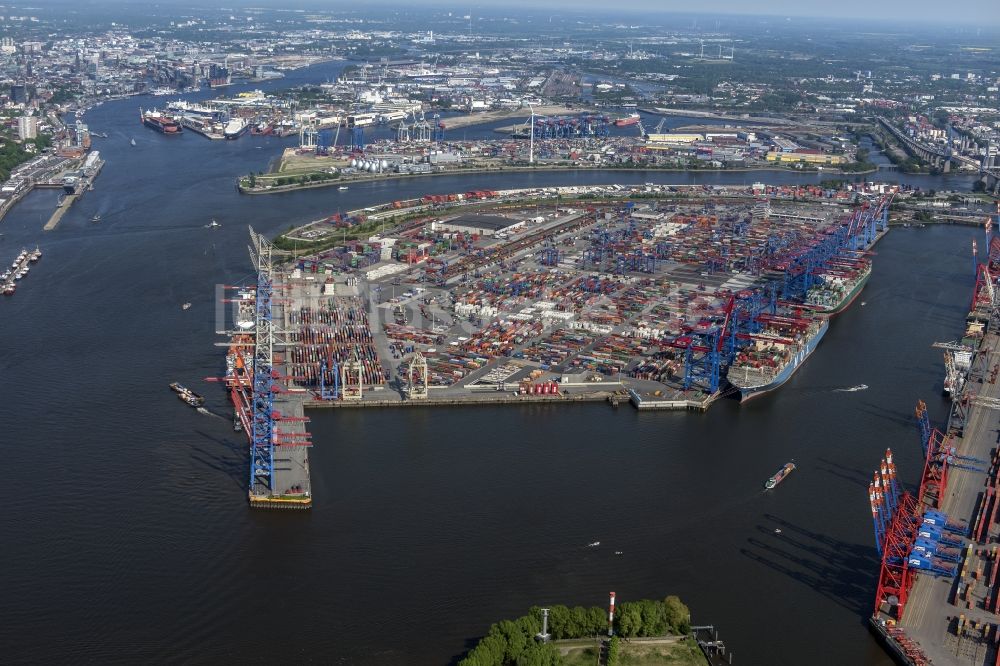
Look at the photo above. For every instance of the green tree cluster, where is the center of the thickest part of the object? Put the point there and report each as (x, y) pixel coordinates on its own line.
(13, 154)
(512, 642)
(614, 651)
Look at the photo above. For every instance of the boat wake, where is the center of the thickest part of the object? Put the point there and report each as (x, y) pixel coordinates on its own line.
(852, 389)
(202, 410)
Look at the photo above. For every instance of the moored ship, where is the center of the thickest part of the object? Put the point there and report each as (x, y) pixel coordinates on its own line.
(625, 121)
(775, 354)
(161, 122)
(838, 289)
(779, 476)
(236, 128)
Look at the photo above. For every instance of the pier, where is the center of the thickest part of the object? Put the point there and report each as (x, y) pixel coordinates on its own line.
(956, 620)
(65, 203)
(79, 181)
(943, 607)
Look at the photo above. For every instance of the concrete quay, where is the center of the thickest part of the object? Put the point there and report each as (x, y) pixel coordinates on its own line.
(951, 619)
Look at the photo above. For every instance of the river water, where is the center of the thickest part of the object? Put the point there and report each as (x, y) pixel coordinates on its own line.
(127, 537)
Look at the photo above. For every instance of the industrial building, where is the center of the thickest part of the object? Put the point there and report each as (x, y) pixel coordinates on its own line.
(479, 225)
(811, 157)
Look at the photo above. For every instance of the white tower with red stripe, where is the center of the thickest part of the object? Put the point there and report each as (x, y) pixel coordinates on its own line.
(611, 616)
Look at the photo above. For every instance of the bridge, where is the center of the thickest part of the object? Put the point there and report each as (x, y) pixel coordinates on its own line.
(942, 158)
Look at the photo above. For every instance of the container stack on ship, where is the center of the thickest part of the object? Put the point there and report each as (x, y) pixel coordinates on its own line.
(775, 354)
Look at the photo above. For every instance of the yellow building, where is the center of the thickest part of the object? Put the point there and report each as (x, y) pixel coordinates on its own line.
(810, 158)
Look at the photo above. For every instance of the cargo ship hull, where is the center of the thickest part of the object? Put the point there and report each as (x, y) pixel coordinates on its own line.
(627, 121)
(845, 303)
(752, 391)
(163, 126)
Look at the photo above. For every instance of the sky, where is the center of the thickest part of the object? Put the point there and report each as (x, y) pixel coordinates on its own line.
(985, 13)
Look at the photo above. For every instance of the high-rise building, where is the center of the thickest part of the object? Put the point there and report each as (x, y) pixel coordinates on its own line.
(27, 127)
(19, 93)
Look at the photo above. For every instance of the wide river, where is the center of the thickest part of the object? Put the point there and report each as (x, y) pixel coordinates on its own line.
(126, 533)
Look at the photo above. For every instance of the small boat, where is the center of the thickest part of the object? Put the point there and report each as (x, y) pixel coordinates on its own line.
(35, 256)
(864, 303)
(185, 306)
(213, 225)
(187, 395)
(618, 552)
(9, 290)
(594, 544)
(132, 141)
(342, 187)
(95, 219)
(780, 476)
(777, 530)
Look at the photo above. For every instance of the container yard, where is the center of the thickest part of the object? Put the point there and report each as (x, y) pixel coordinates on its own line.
(667, 302)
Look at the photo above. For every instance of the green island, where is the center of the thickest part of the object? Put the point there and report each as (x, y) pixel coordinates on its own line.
(647, 632)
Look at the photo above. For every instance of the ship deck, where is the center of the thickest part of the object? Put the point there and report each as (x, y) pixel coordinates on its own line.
(931, 613)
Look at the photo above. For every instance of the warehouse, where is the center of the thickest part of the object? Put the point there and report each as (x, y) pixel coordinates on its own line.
(480, 225)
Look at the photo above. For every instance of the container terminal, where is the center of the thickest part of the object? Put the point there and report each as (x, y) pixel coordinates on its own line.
(501, 297)
(938, 594)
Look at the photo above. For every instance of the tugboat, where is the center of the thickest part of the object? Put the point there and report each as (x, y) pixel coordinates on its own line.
(187, 395)
(780, 476)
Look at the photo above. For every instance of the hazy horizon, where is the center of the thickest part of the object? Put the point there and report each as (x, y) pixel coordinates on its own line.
(983, 12)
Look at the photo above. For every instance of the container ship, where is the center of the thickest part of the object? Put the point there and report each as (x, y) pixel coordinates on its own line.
(162, 123)
(187, 395)
(839, 289)
(779, 476)
(625, 121)
(776, 353)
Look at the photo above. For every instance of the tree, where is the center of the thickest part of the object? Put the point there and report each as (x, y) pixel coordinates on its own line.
(513, 637)
(539, 654)
(628, 615)
(579, 626)
(253, 180)
(678, 615)
(614, 648)
(654, 618)
(597, 621)
(559, 621)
